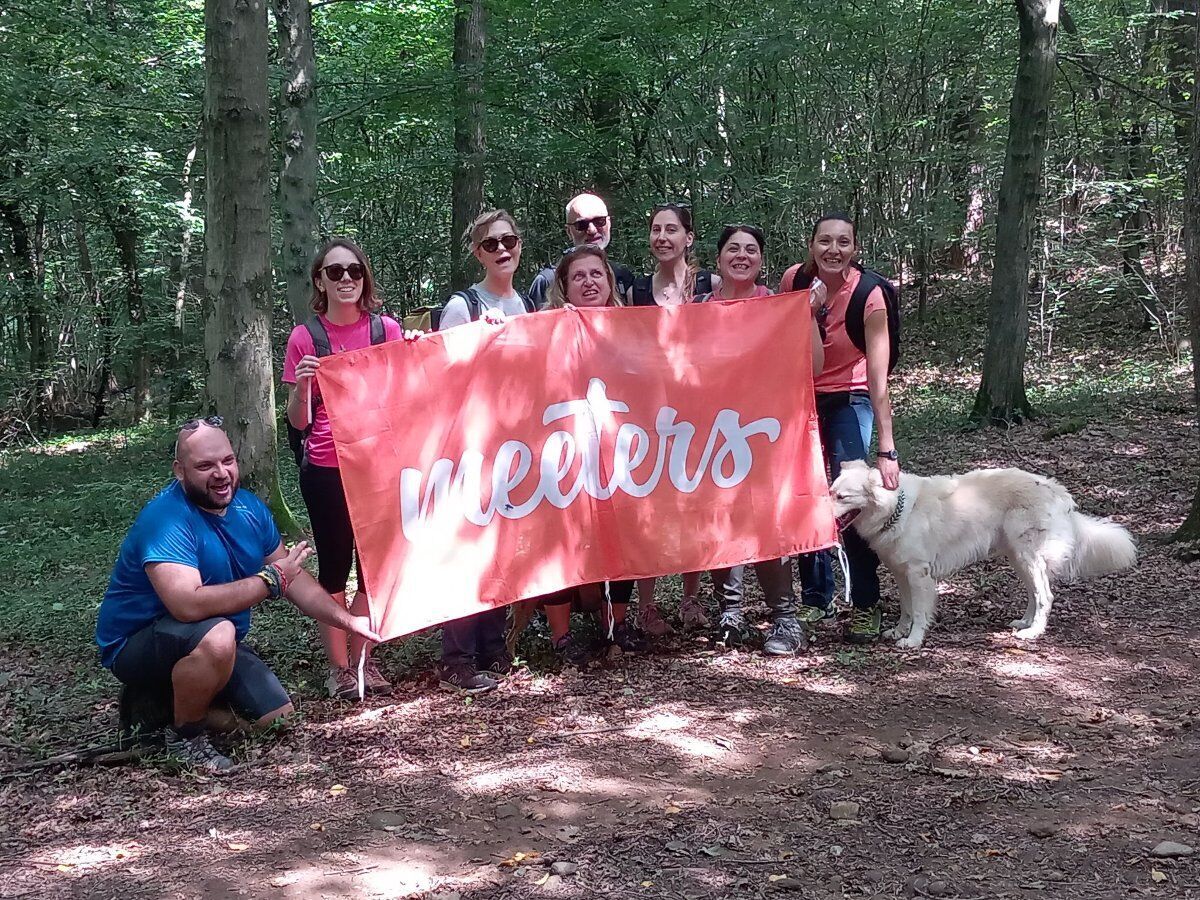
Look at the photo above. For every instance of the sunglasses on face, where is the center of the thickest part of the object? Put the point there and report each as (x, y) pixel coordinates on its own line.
(508, 242)
(583, 225)
(336, 271)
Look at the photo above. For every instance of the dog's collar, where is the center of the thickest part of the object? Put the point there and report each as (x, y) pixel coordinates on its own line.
(896, 513)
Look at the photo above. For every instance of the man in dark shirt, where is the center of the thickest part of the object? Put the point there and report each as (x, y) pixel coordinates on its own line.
(588, 222)
(200, 555)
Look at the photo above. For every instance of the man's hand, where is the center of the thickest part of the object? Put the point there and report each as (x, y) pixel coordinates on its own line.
(493, 317)
(890, 470)
(412, 335)
(361, 626)
(292, 563)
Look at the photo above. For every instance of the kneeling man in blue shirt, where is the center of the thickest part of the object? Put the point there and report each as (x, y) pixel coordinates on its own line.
(199, 556)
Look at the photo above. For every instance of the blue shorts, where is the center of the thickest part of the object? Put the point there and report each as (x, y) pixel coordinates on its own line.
(149, 655)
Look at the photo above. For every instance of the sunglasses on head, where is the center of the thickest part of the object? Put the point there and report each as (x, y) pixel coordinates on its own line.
(582, 225)
(336, 271)
(210, 421)
(491, 245)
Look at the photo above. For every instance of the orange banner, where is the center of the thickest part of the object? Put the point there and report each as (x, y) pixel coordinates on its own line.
(490, 463)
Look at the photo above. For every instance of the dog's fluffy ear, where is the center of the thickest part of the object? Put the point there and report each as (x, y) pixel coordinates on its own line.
(853, 464)
(875, 488)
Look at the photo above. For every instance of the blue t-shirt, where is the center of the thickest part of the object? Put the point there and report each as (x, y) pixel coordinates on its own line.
(170, 528)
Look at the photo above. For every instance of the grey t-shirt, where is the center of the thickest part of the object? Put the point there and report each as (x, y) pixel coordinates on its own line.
(457, 312)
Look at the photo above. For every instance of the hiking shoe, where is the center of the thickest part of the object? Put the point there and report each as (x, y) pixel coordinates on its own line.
(787, 637)
(342, 683)
(731, 630)
(627, 638)
(650, 621)
(197, 753)
(811, 615)
(467, 680)
(373, 679)
(496, 667)
(864, 625)
(693, 614)
(570, 651)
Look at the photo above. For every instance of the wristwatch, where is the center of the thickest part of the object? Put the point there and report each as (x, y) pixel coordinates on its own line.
(888, 454)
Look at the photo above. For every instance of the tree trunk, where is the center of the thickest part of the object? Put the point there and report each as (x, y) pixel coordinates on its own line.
(32, 330)
(125, 237)
(237, 240)
(102, 315)
(1001, 398)
(1190, 529)
(469, 118)
(298, 132)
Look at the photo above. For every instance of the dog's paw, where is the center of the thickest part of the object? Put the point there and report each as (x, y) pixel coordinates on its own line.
(892, 634)
(1018, 623)
(910, 643)
(1029, 633)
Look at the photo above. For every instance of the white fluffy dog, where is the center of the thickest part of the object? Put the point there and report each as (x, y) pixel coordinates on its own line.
(932, 527)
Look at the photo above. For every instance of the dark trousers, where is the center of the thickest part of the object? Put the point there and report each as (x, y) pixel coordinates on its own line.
(775, 579)
(475, 640)
(846, 421)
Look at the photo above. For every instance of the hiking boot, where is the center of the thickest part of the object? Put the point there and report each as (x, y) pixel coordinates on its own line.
(864, 625)
(342, 683)
(692, 613)
(198, 753)
(467, 680)
(811, 615)
(787, 637)
(570, 651)
(373, 679)
(731, 630)
(627, 638)
(650, 621)
(497, 667)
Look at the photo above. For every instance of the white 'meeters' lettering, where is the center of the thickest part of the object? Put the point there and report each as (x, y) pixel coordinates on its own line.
(451, 493)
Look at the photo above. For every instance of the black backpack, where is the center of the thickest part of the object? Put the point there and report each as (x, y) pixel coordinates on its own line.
(475, 305)
(643, 288)
(297, 438)
(855, 324)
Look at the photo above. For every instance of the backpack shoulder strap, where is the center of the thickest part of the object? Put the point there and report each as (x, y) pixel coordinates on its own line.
(320, 337)
(530, 306)
(378, 332)
(794, 279)
(474, 304)
(856, 327)
(643, 290)
(704, 284)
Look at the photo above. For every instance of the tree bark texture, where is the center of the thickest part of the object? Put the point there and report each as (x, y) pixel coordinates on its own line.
(298, 168)
(237, 235)
(470, 114)
(1001, 398)
(1190, 529)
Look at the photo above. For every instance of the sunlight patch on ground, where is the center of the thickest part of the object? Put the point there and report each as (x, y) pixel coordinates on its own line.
(502, 779)
(86, 856)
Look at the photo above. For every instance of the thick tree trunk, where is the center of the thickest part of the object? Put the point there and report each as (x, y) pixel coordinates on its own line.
(237, 239)
(1190, 529)
(298, 133)
(1001, 398)
(469, 120)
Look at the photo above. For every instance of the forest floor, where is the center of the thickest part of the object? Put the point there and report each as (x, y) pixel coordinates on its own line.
(978, 767)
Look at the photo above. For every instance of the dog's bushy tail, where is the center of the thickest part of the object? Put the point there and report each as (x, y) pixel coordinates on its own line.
(1101, 547)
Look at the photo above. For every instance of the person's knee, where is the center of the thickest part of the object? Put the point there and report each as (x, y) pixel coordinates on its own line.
(219, 643)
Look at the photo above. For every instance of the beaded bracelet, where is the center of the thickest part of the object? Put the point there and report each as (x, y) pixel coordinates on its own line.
(272, 577)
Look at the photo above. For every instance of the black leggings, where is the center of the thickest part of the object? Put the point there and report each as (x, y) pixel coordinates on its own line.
(333, 538)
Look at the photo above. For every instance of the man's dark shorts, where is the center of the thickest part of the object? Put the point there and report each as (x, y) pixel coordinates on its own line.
(150, 654)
